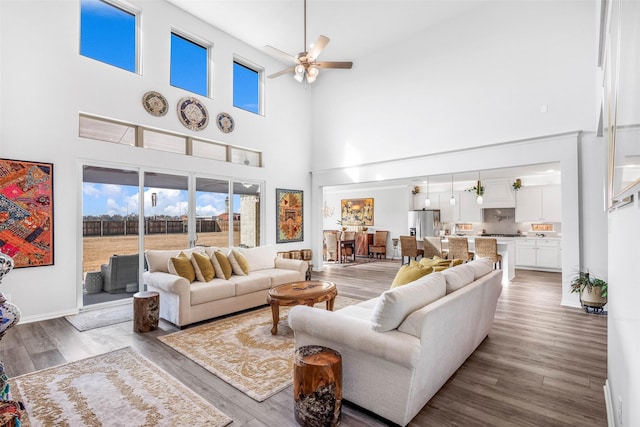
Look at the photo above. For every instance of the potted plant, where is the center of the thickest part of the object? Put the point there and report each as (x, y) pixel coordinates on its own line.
(593, 291)
(517, 184)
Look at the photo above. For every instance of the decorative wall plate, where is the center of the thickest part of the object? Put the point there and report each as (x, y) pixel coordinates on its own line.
(225, 122)
(155, 103)
(192, 114)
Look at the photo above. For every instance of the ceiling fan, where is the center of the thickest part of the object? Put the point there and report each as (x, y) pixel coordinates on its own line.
(305, 64)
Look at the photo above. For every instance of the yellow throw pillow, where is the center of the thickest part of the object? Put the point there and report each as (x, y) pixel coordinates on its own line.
(410, 272)
(242, 261)
(435, 262)
(225, 266)
(202, 267)
(455, 262)
(181, 265)
(235, 265)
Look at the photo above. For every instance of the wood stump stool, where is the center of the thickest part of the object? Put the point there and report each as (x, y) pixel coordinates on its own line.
(317, 386)
(146, 311)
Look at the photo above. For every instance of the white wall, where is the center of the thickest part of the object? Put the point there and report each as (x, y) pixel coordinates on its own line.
(46, 83)
(623, 314)
(473, 80)
(390, 202)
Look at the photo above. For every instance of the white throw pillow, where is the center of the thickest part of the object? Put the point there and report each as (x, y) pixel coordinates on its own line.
(260, 257)
(458, 276)
(481, 267)
(396, 304)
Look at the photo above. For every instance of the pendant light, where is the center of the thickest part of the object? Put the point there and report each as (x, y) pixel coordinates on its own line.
(479, 199)
(427, 201)
(452, 200)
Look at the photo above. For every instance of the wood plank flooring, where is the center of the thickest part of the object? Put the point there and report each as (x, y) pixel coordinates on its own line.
(542, 364)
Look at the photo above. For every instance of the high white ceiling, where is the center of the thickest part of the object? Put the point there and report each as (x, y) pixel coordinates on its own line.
(356, 27)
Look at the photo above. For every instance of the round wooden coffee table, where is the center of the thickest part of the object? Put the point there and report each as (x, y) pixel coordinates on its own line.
(308, 292)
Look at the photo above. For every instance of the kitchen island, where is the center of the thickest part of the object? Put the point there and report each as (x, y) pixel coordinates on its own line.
(506, 248)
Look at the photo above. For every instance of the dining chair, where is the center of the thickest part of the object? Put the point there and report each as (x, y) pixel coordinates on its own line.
(379, 246)
(487, 247)
(348, 246)
(459, 249)
(331, 243)
(432, 247)
(409, 248)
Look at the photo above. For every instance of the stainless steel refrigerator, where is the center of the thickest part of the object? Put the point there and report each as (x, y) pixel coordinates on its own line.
(424, 223)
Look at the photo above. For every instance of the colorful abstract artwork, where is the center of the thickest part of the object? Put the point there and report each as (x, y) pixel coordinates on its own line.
(289, 216)
(26, 212)
(356, 212)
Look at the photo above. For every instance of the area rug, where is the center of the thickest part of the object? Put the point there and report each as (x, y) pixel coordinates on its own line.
(120, 388)
(92, 319)
(241, 350)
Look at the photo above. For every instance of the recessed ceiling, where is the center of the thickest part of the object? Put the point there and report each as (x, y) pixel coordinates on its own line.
(356, 27)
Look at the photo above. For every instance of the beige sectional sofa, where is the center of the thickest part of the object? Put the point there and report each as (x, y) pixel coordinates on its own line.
(398, 349)
(183, 302)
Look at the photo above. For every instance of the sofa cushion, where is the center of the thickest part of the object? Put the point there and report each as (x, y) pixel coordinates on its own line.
(251, 283)
(481, 267)
(410, 272)
(216, 289)
(181, 266)
(458, 276)
(260, 257)
(157, 260)
(223, 263)
(202, 267)
(239, 263)
(278, 276)
(394, 305)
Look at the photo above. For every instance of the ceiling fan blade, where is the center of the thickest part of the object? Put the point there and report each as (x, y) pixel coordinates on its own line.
(282, 54)
(318, 46)
(285, 71)
(334, 64)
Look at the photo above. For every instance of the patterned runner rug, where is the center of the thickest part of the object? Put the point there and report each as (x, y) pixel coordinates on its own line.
(120, 388)
(241, 350)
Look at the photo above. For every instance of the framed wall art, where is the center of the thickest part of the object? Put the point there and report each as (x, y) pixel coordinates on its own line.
(356, 212)
(289, 216)
(26, 212)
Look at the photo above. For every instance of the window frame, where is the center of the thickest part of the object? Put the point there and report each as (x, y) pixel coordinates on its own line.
(127, 8)
(257, 69)
(198, 41)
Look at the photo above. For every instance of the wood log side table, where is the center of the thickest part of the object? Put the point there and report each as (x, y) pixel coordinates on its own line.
(146, 311)
(317, 386)
(308, 292)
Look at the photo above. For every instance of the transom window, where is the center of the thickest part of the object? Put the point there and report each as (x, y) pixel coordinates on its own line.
(246, 87)
(108, 34)
(189, 65)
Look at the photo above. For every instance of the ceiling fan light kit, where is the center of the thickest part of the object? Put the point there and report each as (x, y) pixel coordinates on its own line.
(306, 67)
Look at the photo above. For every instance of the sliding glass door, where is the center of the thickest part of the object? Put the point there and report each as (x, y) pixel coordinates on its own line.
(126, 210)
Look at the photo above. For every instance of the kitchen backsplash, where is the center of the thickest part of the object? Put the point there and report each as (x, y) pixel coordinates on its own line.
(500, 221)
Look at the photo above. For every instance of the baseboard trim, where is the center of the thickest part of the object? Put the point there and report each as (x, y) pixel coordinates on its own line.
(609, 405)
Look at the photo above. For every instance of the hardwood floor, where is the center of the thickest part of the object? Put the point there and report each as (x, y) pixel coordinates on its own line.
(542, 364)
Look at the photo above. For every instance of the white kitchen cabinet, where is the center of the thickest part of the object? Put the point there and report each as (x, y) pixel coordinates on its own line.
(449, 213)
(537, 252)
(536, 204)
(418, 201)
(470, 210)
(498, 193)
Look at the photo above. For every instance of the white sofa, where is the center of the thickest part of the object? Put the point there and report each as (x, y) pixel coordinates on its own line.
(183, 303)
(398, 349)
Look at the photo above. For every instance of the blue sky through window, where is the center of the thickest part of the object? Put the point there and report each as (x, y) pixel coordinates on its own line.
(108, 34)
(112, 199)
(246, 89)
(188, 65)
